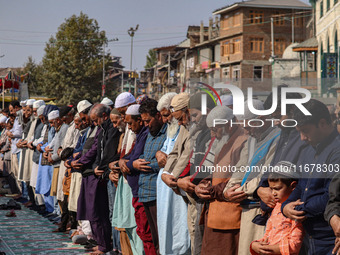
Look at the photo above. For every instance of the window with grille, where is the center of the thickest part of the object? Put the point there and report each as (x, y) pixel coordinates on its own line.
(256, 45)
(328, 4)
(321, 9)
(256, 17)
(236, 73)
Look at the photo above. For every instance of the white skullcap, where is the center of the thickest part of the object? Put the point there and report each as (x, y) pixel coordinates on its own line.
(38, 103)
(258, 105)
(133, 110)
(165, 101)
(30, 102)
(40, 110)
(83, 105)
(53, 115)
(3, 119)
(219, 112)
(107, 101)
(124, 99)
(227, 100)
(23, 103)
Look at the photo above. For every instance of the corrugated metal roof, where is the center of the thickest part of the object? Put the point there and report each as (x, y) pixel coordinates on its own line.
(288, 4)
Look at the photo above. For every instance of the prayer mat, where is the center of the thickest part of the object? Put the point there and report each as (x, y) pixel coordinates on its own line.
(30, 233)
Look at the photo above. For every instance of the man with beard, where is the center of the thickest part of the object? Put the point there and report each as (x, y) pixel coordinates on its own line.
(135, 123)
(147, 163)
(173, 238)
(222, 218)
(308, 201)
(256, 154)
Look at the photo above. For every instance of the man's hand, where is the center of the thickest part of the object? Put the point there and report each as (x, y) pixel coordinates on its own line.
(169, 180)
(264, 248)
(290, 212)
(75, 154)
(76, 165)
(141, 165)
(266, 196)
(48, 149)
(45, 155)
(114, 177)
(98, 172)
(50, 160)
(235, 196)
(202, 191)
(161, 158)
(336, 249)
(335, 224)
(39, 148)
(123, 167)
(113, 166)
(30, 145)
(186, 185)
(67, 165)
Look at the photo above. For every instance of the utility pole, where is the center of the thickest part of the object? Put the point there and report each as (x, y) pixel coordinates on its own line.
(103, 84)
(131, 33)
(272, 35)
(3, 89)
(293, 31)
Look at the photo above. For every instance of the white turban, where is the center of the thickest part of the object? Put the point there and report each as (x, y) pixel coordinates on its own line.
(23, 103)
(165, 101)
(40, 110)
(3, 119)
(258, 105)
(53, 115)
(133, 110)
(124, 99)
(219, 112)
(30, 102)
(107, 101)
(83, 105)
(38, 103)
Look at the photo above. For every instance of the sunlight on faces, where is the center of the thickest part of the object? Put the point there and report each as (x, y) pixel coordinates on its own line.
(122, 111)
(78, 123)
(182, 116)
(85, 118)
(28, 112)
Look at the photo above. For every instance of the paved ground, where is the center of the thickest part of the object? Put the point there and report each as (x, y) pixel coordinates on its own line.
(30, 233)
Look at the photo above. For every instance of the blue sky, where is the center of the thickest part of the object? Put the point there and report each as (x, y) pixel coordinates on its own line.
(25, 26)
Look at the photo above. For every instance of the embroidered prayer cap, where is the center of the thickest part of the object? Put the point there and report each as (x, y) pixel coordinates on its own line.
(133, 110)
(107, 101)
(83, 105)
(285, 169)
(219, 113)
(141, 98)
(64, 110)
(124, 99)
(179, 102)
(53, 115)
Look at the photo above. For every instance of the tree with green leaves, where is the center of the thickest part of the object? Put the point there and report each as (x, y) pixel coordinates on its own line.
(35, 74)
(72, 65)
(151, 59)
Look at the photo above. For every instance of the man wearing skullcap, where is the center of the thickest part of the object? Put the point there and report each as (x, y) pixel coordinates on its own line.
(123, 194)
(259, 150)
(174, 237)
(221, 230)
(107, 102)
(43, 178)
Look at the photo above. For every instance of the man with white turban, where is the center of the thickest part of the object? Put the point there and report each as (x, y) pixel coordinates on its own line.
(173, 238)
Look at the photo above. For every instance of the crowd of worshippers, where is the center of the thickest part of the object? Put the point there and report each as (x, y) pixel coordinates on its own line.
(122, 175)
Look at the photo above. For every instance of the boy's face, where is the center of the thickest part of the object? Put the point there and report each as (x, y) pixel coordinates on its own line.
(280, 190)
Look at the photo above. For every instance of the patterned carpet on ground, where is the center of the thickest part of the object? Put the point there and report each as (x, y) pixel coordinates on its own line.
(30, 233)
